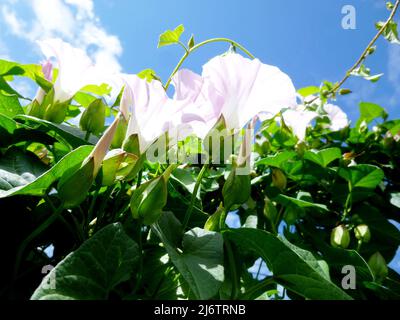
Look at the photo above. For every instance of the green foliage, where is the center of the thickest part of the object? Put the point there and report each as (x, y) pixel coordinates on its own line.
(94, 270)
(171, 36)
(141, 230)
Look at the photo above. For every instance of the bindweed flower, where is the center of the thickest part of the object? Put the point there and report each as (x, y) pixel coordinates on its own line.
(153, 113)
(298, 120)
(336, 116)
(75, 68)
(248, 88)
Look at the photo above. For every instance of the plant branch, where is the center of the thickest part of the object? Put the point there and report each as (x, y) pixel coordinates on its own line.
(364, 55)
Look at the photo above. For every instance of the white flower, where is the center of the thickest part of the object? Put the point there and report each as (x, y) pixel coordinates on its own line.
(76, 69)
(298, 120)
(337, 117)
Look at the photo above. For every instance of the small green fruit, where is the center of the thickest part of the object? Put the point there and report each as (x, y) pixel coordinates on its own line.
(340, 237)
(362, 233)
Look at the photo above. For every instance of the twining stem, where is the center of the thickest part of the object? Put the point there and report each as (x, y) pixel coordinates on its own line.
(234, 272)
(348, 203)
(363, 55)
(193, 196)
(199, 45)
(50, 220)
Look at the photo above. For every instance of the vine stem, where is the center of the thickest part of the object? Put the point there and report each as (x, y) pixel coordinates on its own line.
(363, 55)
(193, 196)
(199, 45)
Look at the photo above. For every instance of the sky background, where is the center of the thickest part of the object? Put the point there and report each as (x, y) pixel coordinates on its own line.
(303, 38)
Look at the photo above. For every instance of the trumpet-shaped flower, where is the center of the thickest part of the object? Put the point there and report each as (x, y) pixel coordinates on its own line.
(201, 104)
(337, 117)
(76, 69)
(248, 88)
(298, 120)
(152, 112)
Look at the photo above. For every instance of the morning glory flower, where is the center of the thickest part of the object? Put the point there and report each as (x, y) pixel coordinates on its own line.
(248, 88)
(298, 120)
(201, 104)
(152, 112)
(337, 117)
(75, 68)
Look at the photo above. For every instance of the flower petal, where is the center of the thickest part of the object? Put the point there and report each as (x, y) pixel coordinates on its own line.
(248, 88)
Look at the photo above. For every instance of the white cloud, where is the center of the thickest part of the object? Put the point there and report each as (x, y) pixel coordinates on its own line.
(72, 20)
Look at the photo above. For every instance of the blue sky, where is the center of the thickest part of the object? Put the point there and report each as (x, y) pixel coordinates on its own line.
(303, 38)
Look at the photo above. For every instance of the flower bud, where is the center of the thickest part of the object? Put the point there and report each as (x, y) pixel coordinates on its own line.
(56, 112)
(120, 133)
(236, 189)
(116, 166)
(93, 118)
(213, 222)
(150, 198)
(279, 179)
(73, 187)
(34, 109)
(362, 233)
(340, 237)
(378, 266)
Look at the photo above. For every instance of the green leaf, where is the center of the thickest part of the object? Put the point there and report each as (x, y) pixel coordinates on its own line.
(10, 106)
(370, 111)
(93, 270)
(200, 261)
(323, 157)
(18, 168)
(390, 32)
(74, 136)
(170, 36)
(287, 201)
(148, 75)
(294, 268)
(308, 91)
(39, 186)
(362, 176)
(277, 160)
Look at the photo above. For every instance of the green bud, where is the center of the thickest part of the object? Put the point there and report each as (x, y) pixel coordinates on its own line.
(131, 145)
(94, 117)
(340, 237)
(120, 133)
(362, 233)
(150, 198)
(213, 222)
(56, 112)
(74, 186)
(236, 189)
(378, 266)
(116, 166)
(279, 179)
(34, 109)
